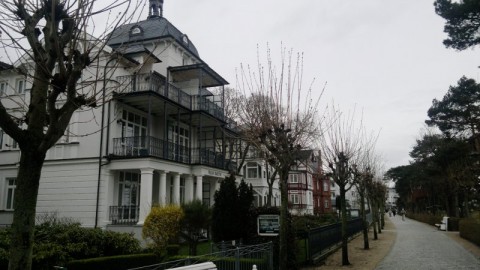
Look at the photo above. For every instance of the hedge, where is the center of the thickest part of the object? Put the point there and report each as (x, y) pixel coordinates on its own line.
(470, 230)
(114, 262)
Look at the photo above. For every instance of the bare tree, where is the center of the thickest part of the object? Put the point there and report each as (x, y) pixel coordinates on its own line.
(342, 145)
(362, 175)
(279, 118)
(62, 63)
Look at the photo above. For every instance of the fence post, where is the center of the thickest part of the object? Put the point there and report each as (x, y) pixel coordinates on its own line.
(270, 257)
(237, 258)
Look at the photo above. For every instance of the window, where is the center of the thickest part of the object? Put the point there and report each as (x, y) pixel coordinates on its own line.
(294, 198)
(326, 205)
(252, 170)
(6, 142)
(10, 193)
(293, 178)
(134, 130)
(20, 86)
(325, 186)
(3, 88)
(129, 189)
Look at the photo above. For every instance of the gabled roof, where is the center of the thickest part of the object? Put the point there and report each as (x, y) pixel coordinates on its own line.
(5, 66)
(151, 29)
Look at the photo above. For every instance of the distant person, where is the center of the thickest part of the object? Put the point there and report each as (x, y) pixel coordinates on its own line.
(394, 212)
(403, 212)
(389, 212)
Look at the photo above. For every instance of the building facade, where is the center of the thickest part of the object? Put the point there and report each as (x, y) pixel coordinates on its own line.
(159, 137)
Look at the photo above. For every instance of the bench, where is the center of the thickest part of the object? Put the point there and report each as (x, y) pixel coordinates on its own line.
(443, 225)
(200, 266)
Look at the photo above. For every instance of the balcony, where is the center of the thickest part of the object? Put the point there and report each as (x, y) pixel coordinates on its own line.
(297, 186)
(156, 83)
(147, 146)
(124, 215)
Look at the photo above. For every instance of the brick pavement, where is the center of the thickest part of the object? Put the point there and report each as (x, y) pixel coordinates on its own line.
(421, 246)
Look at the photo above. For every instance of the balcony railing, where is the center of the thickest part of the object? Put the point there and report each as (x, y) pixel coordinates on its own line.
(297, 186)
(124, 215)
(157, 83)
(147, 146)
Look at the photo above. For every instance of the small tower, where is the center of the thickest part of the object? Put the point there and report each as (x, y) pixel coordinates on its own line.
(155, 9)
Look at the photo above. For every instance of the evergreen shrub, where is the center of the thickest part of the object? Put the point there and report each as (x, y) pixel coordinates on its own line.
(470, 230)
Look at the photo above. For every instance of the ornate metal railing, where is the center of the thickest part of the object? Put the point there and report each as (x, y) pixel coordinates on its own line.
(147, 146)
(157, 83)
(124, 215)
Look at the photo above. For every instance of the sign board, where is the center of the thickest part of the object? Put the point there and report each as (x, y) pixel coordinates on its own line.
(268, 225)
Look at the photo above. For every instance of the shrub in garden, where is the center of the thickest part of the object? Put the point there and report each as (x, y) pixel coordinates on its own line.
(161, 225)
(59, 241)
(470, 230)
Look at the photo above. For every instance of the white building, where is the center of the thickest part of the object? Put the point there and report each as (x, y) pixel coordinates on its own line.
(159, 138)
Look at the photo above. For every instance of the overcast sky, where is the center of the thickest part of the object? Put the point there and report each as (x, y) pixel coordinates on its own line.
(383, 56)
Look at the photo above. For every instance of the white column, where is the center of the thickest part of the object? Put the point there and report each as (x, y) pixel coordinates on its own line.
(176, 189)
(199, 192)
(213, 188)
(163, 188)
(146, 184)
(189, 188)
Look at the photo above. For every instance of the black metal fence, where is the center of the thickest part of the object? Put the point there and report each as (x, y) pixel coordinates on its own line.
(319, 241)
(227, 258)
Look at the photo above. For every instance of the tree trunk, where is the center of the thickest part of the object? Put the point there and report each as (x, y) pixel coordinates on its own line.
(365, 221)
(283, 261)
(455, 204)
(344, 226)
(377, 213)
(382, 217)
(465, 204)
(23, 225)
(374, 218)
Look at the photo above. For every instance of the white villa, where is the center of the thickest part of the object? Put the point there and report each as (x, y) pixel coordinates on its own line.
(160, 137)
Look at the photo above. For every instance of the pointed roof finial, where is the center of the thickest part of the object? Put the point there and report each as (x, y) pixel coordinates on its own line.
(155, 9)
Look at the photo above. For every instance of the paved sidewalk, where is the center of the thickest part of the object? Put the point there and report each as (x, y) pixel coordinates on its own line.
(421, 246)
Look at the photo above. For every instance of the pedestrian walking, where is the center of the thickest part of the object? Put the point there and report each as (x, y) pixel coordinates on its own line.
(403, 212)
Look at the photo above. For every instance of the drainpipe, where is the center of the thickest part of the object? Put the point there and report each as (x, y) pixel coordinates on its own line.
(97, 205)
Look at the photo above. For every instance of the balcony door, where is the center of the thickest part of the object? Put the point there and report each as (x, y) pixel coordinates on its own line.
(128, 195)
(134, 132)
(179, 136)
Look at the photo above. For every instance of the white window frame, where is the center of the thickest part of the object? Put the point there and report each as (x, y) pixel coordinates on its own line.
(293, 178)
(20, 86)
(3, 88)
(294, 198)
(10, 193)
(326, 186)
(252, 170)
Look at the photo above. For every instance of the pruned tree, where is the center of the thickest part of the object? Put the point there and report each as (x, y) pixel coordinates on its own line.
(280, 118)
(197, 219)
(462, 22)
(342, 145)
(54, 53)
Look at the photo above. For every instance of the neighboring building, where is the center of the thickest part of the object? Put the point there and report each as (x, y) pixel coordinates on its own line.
(163, 138)
(392, 196)
(300, 184)
(256, 172)
(322, 202)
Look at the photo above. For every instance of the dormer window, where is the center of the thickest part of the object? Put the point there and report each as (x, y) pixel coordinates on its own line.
(136, 30)
(185, 39)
